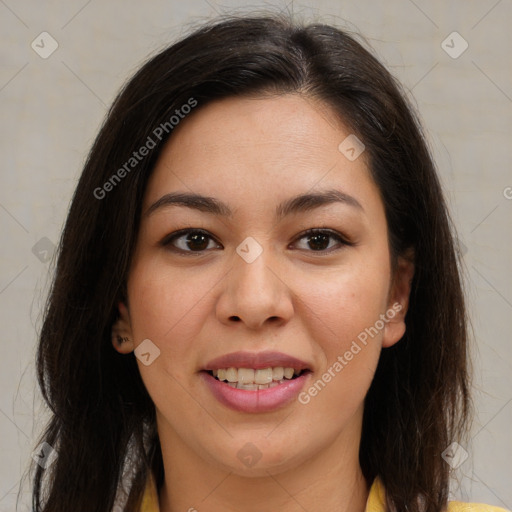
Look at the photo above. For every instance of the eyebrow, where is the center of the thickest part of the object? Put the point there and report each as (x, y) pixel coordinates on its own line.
(297, 204)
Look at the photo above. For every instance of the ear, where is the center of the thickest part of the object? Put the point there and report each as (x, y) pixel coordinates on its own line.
(122, 338)
(398, 300)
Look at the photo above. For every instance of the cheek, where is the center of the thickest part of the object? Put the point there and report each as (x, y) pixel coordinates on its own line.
(342, 304)
(169, 306)
(344, 323)
(163, 299)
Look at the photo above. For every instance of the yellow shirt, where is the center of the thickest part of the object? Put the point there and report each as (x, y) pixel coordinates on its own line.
(375, 503)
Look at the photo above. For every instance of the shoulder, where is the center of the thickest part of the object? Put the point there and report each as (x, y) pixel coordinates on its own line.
(150, 496)
(459, 506)
(376, 502)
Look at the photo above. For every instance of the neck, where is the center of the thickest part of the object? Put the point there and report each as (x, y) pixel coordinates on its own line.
(329, 481)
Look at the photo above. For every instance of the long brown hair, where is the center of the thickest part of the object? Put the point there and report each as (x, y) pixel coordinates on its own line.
(103, 420)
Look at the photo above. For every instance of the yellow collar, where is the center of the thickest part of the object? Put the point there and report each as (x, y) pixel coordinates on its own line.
(375, 502)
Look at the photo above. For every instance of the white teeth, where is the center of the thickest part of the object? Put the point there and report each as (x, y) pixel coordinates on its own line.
(262, 378)
(245, 376)
(253, 387)
(269, 385)
(278, 373)
(250, 386)
(288, 373)
(232, 375)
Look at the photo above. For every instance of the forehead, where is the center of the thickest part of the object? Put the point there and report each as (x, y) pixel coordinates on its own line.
(290, 125)
(259, 148)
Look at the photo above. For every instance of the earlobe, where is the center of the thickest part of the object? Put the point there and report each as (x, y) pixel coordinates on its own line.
(398, 301)
(122, 338)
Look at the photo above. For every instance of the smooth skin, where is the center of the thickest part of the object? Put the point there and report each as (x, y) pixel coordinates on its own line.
(306, 298)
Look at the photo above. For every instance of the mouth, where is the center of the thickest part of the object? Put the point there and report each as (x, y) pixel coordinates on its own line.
(255, 382)
(255, 379)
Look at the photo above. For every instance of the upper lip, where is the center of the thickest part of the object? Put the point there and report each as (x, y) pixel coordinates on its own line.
(256, 360)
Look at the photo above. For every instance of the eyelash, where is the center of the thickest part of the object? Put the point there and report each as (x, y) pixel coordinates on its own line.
(168, 239)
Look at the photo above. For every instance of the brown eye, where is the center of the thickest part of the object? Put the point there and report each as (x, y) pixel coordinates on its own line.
(196, 241)
(318, 240)
(188, 240)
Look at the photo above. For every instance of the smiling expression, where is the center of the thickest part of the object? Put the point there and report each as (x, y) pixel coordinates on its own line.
(224, 264)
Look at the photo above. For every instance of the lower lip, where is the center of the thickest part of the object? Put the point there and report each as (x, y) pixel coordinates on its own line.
(254, 401)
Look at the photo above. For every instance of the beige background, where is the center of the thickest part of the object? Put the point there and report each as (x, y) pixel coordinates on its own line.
(52, 108)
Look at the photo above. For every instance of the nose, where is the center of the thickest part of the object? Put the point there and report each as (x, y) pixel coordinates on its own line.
(255, 293)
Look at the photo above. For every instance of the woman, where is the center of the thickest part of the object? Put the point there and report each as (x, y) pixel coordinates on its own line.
(257, 300)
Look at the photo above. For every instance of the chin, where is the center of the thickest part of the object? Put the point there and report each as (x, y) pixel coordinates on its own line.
(261, 456)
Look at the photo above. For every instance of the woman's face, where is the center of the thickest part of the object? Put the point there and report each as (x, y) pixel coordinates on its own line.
(251, 290)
